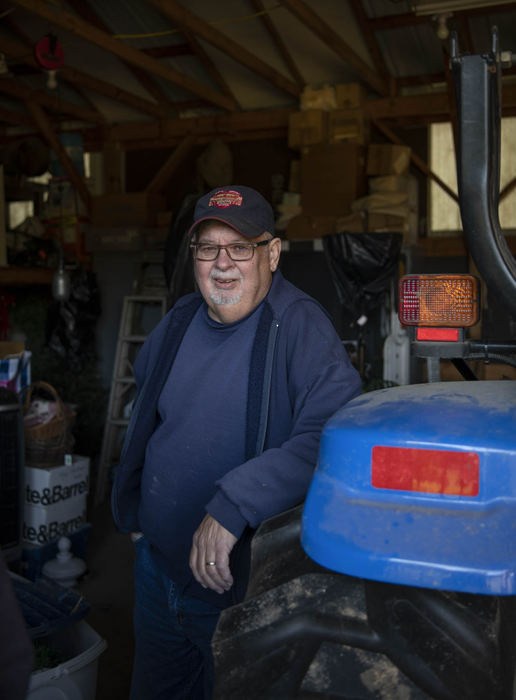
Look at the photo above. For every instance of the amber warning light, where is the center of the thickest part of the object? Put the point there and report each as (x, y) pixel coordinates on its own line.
(439, 300)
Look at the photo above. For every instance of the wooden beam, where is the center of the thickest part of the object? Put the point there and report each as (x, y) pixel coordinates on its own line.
(431, 106)
(86, 31)
(42, 122)
(22, 92)
(418, 162)
(169, 167)
(465, 40)
(406, 19)
(228, 127)
(210, 67)
(11, 116)
(410, 19)
(369, 38)
(425, 79)
(509, 187)
(280, 44)
(78, 78)
(88, 14)
(184, 19)
(335, 42)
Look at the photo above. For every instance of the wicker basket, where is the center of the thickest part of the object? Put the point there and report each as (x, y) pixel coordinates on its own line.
(47, 444)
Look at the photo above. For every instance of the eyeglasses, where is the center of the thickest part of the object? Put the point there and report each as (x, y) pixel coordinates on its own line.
(236, 251)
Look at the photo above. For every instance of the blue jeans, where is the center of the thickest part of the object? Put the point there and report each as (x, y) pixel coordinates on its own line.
(172, 659)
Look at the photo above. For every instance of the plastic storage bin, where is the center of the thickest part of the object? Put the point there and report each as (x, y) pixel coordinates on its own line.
(75, 679)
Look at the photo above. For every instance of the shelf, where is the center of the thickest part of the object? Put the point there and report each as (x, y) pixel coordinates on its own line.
(13, 276)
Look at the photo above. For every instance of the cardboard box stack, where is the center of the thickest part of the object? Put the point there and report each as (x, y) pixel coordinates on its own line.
(330, 133)
(54, 501)
(392, 202)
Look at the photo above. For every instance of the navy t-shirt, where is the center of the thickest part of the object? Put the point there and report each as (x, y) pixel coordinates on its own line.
(200, 437)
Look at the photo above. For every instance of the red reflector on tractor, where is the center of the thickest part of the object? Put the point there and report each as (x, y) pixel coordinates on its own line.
(428, 471)
(443, 334)
(438, 300)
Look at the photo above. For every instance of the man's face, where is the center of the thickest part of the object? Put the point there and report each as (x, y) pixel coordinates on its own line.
(233, 289)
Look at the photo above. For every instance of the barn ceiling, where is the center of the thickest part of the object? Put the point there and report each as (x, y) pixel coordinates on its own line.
(155, 71)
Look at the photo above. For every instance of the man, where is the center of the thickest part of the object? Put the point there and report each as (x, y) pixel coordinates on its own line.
(234, 387)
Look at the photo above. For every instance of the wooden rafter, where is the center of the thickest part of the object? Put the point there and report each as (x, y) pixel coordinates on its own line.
(335, 42)
(42, 122)
(11, 116)
(79, 27)
(210, 67)
(85, 10)
(54, 104)
(280, 44)
(78, 78)
(172, 131)
(184, 19)
(414, 110)
(369, 38)
(418, 162)
(27, 46)
(465, 40)
(171, 165)
(409, 19)
(509, 187)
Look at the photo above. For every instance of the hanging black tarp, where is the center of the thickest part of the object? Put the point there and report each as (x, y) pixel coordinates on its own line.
(362, 265)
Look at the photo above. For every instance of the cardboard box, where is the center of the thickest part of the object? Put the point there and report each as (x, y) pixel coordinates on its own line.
(307, 128)
(310, 227)
(349, 96)
(346, 124)
(407, 184)
(54, 500)
(387, 159)
(15, 366)
(49, 486)
(43, 525)
(114, 239)
(127, 209)
(332, 178)
(318, 98)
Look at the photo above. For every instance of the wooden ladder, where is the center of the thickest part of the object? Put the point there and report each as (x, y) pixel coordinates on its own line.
(140, 313)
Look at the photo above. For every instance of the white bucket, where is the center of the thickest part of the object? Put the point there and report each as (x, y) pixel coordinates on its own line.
(75, 679)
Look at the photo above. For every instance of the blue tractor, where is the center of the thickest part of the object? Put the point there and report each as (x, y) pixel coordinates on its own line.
(396, 579)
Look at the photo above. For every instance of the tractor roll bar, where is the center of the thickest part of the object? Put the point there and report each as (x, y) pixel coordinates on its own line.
(477, 80)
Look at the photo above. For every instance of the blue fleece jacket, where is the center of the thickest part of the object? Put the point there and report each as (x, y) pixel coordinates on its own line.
(299, 375)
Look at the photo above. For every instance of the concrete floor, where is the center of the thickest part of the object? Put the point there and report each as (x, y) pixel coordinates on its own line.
(108, 587)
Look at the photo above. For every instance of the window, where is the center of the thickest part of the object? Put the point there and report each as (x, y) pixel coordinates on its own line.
(443, 211)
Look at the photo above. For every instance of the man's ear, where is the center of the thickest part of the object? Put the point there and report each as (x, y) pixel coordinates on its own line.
(274, 253)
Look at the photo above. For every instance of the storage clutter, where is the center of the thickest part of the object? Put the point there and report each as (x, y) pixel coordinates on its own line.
(55, 501)
(47, 426)
(66, 647)
(346, 187)
(15, 366)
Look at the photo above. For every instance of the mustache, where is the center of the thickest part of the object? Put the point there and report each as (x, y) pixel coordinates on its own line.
(216, 274)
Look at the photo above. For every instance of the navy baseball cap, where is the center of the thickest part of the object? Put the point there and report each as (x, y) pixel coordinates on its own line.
(242, 208)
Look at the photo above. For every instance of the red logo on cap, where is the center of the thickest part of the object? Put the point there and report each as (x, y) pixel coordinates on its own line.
(226, 198)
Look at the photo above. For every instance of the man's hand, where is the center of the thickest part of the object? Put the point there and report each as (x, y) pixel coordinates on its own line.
(212, 543)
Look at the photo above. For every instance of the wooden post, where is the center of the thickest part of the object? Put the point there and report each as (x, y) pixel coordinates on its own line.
(42, 122)
(182, 150)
